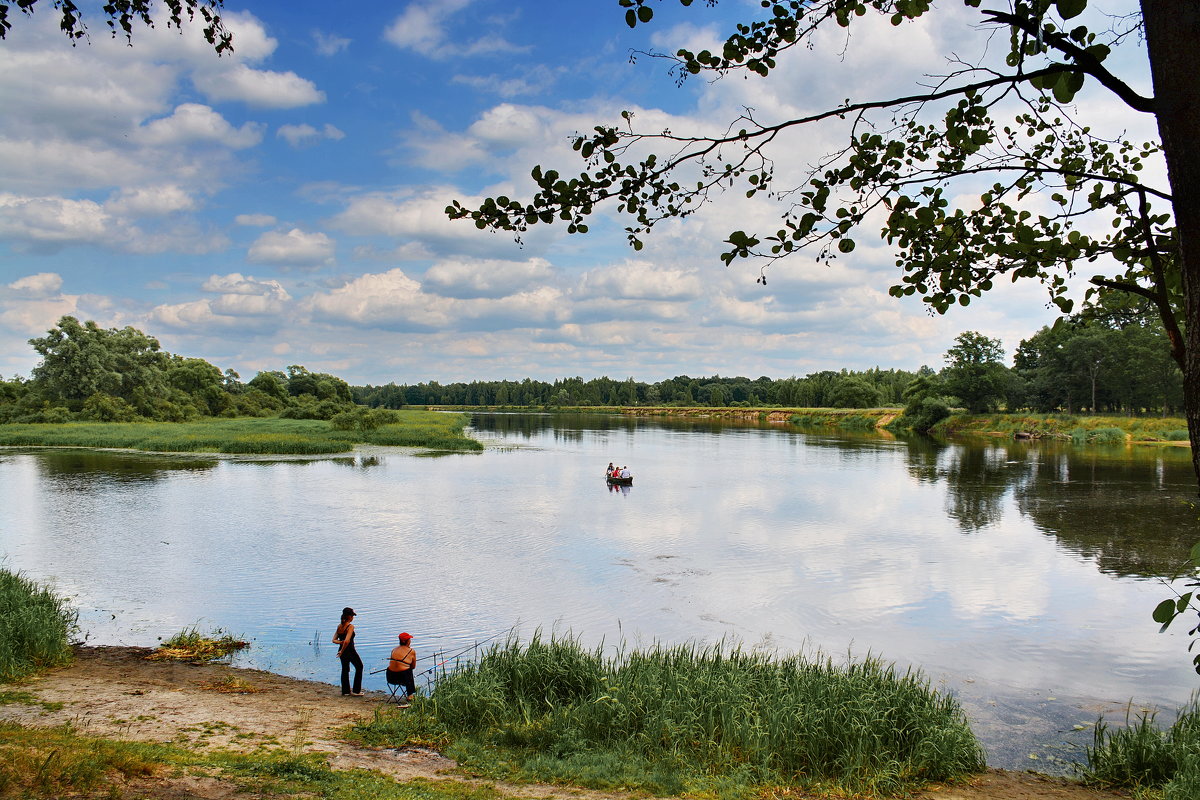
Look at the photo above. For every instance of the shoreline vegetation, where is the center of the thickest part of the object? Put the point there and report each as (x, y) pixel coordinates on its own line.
(255, 435)
(443, 428)
(684, 720)
(1079, 429)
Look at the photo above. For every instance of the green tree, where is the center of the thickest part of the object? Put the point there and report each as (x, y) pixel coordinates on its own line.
(919, 160)
(975, 372)
(852, 392)
(80, 360)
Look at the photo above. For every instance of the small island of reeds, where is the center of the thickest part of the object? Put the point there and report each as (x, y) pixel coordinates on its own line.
(253, 435)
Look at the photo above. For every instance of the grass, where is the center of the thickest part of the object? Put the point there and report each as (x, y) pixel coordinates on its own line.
(1146, 759)
(1089, 430)
(35, 626)
(247, 435)
(191, 645)
(57, 762)
(688, 719)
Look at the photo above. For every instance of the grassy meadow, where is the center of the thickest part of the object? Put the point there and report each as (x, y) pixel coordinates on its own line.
(247, 435)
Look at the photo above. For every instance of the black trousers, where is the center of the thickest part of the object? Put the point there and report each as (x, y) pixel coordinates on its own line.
(350, 656)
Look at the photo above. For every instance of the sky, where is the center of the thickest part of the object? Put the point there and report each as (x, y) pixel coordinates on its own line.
(284, 204)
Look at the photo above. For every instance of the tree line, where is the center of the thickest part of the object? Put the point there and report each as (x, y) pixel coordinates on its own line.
(1110, 358)
(122, 375)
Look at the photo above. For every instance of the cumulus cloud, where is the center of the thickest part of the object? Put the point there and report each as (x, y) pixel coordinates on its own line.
(305, 135)
(639, 280)
(53, 220)
(243, 303)
(390, 300)
(258, 88)
(468, 278)
(238, 284)
(295, 248)
(533, 80)
(193, 122)
(150, 201)
(39, 285)
(424, 29)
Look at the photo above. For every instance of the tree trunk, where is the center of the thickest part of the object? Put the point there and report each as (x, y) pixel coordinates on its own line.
(1172, 30)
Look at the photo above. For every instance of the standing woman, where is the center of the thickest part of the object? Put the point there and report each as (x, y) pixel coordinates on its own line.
(344, 636)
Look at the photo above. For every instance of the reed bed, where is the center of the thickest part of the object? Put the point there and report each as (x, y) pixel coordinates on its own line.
(692, 718)
(35, 627)
(1146, 759)
(247, 435)
(192, 645)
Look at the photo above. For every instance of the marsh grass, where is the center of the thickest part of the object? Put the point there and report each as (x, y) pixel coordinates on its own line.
(696, 718)
(35, 627)
(191, 645)
(1081, 430)
(1142, 757)
(248, 435)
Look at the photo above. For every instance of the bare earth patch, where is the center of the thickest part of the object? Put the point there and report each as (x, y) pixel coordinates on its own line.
(115, 692)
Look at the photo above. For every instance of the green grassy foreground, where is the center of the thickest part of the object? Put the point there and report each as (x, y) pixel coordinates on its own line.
(53, 763)
(248, 435)
(688, 720)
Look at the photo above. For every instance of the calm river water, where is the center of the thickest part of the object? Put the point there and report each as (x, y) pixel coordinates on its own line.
(1019, 576)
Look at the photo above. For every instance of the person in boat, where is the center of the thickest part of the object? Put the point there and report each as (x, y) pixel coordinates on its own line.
(401, 664)
(344, 638)
(625, 472)
(608, 473)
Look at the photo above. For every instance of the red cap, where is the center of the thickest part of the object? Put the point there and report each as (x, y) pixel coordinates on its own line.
(406, 637)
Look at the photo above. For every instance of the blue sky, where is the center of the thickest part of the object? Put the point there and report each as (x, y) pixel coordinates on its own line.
(284, 205)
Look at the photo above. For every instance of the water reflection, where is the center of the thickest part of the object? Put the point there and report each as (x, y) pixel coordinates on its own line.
(984, 563)
(91, 470)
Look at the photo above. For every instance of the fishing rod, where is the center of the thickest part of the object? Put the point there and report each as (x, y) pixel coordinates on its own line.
(448, 659)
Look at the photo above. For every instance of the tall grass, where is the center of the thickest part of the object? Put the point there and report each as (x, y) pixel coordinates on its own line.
(692, 717)
(250, 435)
(1141, 756)
(35, 626)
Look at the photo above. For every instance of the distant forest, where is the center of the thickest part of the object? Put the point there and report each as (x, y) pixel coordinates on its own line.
(1110, 360)
(1107, 360)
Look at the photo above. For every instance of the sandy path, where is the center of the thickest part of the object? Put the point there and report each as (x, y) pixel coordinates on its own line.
(115, 692)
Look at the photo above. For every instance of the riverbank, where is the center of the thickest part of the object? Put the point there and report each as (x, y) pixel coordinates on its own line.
(248, 435)
(1063, 427)
(197, 715)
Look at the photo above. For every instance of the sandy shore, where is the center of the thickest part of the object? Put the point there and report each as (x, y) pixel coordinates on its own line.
(115, 692)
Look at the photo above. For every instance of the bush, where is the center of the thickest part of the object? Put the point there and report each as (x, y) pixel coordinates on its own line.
(1176, 436)
(35, 624)
(922, 415)
(103, 407)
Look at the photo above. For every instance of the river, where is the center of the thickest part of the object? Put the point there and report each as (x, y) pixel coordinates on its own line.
(1018, 575)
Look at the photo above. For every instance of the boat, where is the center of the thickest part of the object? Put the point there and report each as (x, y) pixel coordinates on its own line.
(616, 480)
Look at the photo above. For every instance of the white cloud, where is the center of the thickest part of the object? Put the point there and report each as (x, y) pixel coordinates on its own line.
(255, 220)
(237, 284)
(39, 285)
(192, 122)
(150, 201)
(54, 220)
(305, 134)
(639, 280)
(256, 87)
(468, 278)
(534, 80)
(389, 300)
(423, 28)
(295, 248)
(328, 44)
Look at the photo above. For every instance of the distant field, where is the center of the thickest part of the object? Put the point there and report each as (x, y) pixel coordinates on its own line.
(251, 435)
